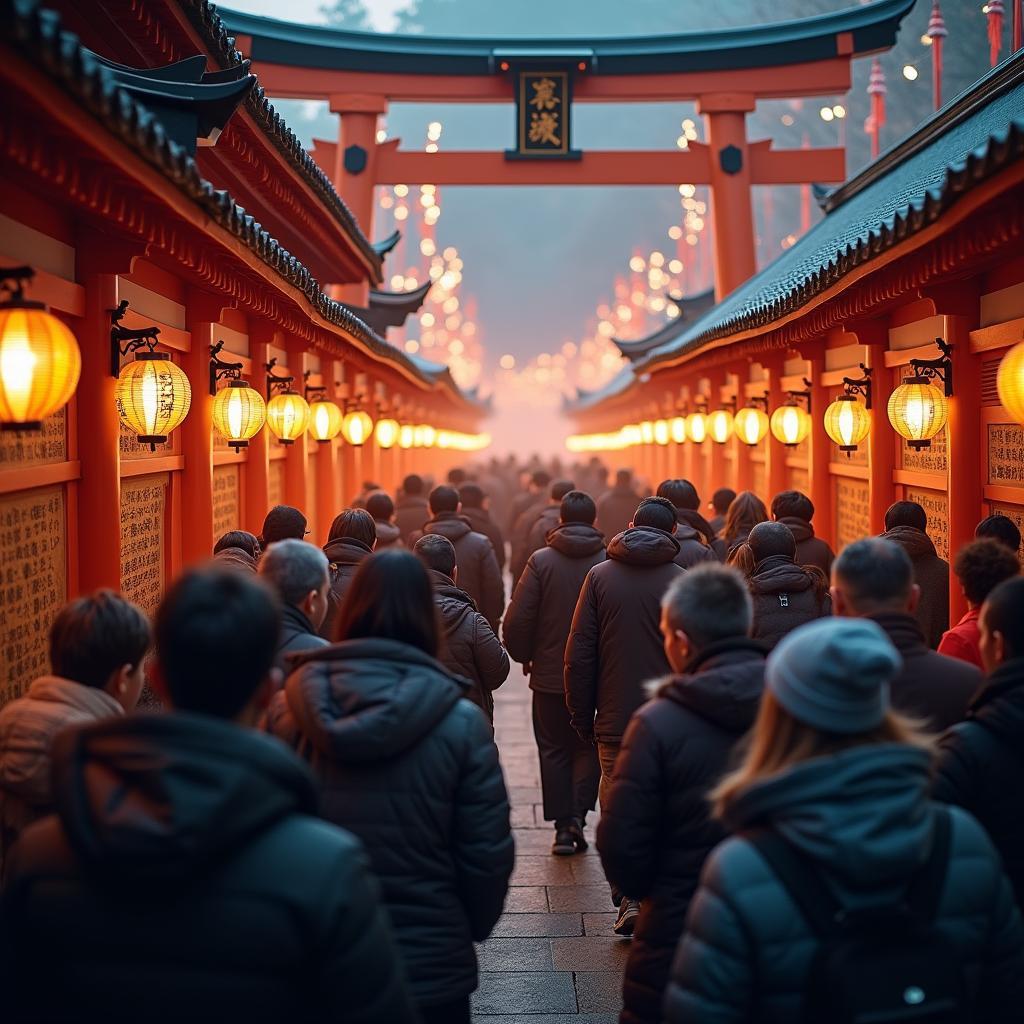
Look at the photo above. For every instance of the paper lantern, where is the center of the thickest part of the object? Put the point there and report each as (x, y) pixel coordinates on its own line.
(357, 428)
(325, 420)
(697, 427)
(847, 422)
(662, 433)
(720, 424)
(751, 424)
(406, 437)
(153, 397)
(387, 432)
(790, 424)
(428, 435)
(288, 416)
(632, 435)
(239, 413)
(1010, 382)
(647, 432)
(677, 429)
(39, 364)
(918, 410)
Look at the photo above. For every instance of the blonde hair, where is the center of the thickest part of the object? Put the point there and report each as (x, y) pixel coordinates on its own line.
(779, 741)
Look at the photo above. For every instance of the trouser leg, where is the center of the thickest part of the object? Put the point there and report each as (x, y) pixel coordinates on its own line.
(607, 754)
(550, 722)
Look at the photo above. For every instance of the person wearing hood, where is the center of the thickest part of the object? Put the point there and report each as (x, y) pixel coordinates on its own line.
(411, 512)
(656, 829)
(297, 573)
(185, 875)
(351, 541)
(697, 541)
(786, 595)
(382, 509)
(479, 575)
(874, 579)
(546, 521)
(476, 507)
(835, 785)
(98, 645)
(796, 510)
(980, 759)
(719, 507)
(470, 647)
(409, 765)
(615, 644)
(238, 549)
(905, 524)
(536, 629)
(616, 506)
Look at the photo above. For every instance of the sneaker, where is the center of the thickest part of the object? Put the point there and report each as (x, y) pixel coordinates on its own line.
(629, 911)
(569, 839)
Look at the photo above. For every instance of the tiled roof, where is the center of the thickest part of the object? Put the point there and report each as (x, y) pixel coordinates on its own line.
(622, 381)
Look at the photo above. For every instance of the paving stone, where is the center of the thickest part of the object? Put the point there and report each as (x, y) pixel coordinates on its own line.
(524, 795)
(581, 899)
(522, 817)
(525, 992)
(534, 842)
(504, 955)
(587, 870)
(599, 992)
(537, 925)
(598, 924)
(590, 953)
(542, 870)
(526, 899)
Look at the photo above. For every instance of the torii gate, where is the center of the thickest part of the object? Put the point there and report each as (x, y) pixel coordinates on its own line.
(726, 72)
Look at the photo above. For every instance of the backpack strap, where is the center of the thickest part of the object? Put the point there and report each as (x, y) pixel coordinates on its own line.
(925, 890)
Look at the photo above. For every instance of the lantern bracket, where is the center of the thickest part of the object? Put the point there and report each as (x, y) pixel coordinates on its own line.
(277, 381)
(312, 389)
(700, 403)
(12, 283)
(795, 397)
(128, 339)
(860, 385)
(729, 404)
(940, 368)
(757, 400)
(221, 370)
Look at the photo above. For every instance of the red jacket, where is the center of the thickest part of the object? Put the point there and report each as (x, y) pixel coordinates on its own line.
(963, 640)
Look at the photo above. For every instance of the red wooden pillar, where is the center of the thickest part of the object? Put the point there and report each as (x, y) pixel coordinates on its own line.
(328, 476)
(819, 453)
(257, 465)
(296, 463)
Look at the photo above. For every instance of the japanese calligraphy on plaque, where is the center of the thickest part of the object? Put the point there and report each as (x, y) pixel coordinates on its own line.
(544, 110)
(852, 512)
(36, 447)
(275, 485)
(226, 502)
(1014, 512)
(143, 529)
(936, 507)
(1006, 454)
(925, 460)
(33, 583)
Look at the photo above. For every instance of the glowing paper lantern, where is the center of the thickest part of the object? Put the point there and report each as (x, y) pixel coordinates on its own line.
(790, 424)
(325, 420)
(153, 397)
(387, 432)
(1010, 382)
(287, 416)
(720, 424)
(677, 429)
(751, 425)
(647, 432)
(847, 422)
(357, 427)
(239, 413)
(406, 437)
(697, 427)
(662, 434)
(428, 435)
(918, 410)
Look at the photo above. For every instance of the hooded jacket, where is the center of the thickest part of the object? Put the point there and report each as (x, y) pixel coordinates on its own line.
(481, 522)
(522, 527)
(236, 558)
(864, 817)
(185, 874)
(388, 535)
(549, 518)
(297, 634)
(615, 510)
(410, 767)
(930, 687)
(692, 548)
(691, 517)
(786, 595)
(344, 556)
(810, 550)
(981, 762)
(656, 830)
(410, 515)
(615, 641)
(471, 649)
(931, 574)
(539, 617)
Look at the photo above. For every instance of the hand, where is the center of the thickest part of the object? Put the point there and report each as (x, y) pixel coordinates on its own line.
(527, 668)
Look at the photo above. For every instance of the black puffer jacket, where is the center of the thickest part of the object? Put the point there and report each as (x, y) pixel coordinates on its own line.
(864, 816)
(615, 510)
(786, 595)
(410, 767)
(186, 877)
(344, 556)
(656, 831)
(615, 643)
(539, 616)
(810, 550)
(691, 517)
(931, 573)
(692, 549)
(981, 764)
(297, 634)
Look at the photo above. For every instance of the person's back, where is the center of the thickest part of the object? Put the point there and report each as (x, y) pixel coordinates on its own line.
(297, 572)
(796, 511)
(351, 540)
(382, 509)
(476, 507)
(616, 506)
(547, 519)
(411, 510)
(694, 534)
(527, 509)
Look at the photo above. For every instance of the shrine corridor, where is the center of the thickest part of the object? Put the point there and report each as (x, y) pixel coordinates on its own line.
(552, 956)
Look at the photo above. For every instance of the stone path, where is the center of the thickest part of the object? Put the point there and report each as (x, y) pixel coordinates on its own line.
(552, 957)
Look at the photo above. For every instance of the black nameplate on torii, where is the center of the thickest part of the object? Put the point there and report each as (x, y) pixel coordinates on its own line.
(543, 96)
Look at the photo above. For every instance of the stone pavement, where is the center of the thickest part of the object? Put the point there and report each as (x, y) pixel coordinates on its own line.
(552, 957)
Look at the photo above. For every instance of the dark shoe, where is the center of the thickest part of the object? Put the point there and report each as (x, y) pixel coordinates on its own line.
(629, 911)
(569, 839)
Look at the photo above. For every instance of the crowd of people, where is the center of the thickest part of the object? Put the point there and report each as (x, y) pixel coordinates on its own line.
(808, 777)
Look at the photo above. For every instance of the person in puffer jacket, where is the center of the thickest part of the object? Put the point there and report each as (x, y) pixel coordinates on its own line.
(837, 775)
(408, 764)
(796, 511)
(695, 536)
(380, 506)
(351, 541)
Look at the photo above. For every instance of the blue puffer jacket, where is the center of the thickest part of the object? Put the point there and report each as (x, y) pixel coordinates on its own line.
(864, 815)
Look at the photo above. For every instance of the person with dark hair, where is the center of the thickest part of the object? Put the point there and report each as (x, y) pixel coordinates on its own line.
(98, 645)
(980, 567)
(616, 506)
(615, 643)
(457, 477)
(541, 489)
(1001, 528)
(874, 579)
(282, 522)
(547, 520)
(796, 510)
(694, 540)
(656, 828)
(980, 759)
(479, 575)
(411, 511)
(409, 766)
(476, 508)
(238, 549)
(470, 649)
(905, 524)
(746, 510)
(786, 595)
(382, 509)
(536, 629)
(368, 488)
(186, 846)
(351, 541)
(297, 573)
(720, 502)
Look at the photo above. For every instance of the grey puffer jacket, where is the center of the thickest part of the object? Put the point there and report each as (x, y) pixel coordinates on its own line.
(865, 817)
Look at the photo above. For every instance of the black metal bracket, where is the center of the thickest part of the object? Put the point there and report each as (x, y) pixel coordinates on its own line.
(12, 282)
(940, 368)
(796, 396)
(312, 389)
(277, 381)
(758, 400)
(860, 385)
(124, 339)
(221, 370)
(730, 404)
(700, 403)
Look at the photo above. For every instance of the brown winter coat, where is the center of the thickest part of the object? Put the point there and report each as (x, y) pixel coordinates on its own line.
(692, 548)
(692, 518)
(548, 519)
(521, 528)
(388, 535)
(615, 510)
(931, 574)
(810, 550)
(471, 649)
(481, 521)
(344, 557)
(410, 515)
(786, 595)
(615, 644)
(539, 617)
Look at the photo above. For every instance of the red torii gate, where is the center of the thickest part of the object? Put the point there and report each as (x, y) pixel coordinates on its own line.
(725, 72)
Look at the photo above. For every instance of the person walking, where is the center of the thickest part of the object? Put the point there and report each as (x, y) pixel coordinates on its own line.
(409, 765)
(238, 549)
(719, 506)
(470, 649)
(185, 875)
(536, 628)
(412, 511)
(542, 506)
(795, 510)
(745, 511)
(845, 893)
(476, 506)
(282, 522)
(1001, 528)
(351, 541)
(546, 521)
(297, 573)
(615, 507)
(656, 830)
(382, 509)
(695, 536)
(615, 644)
